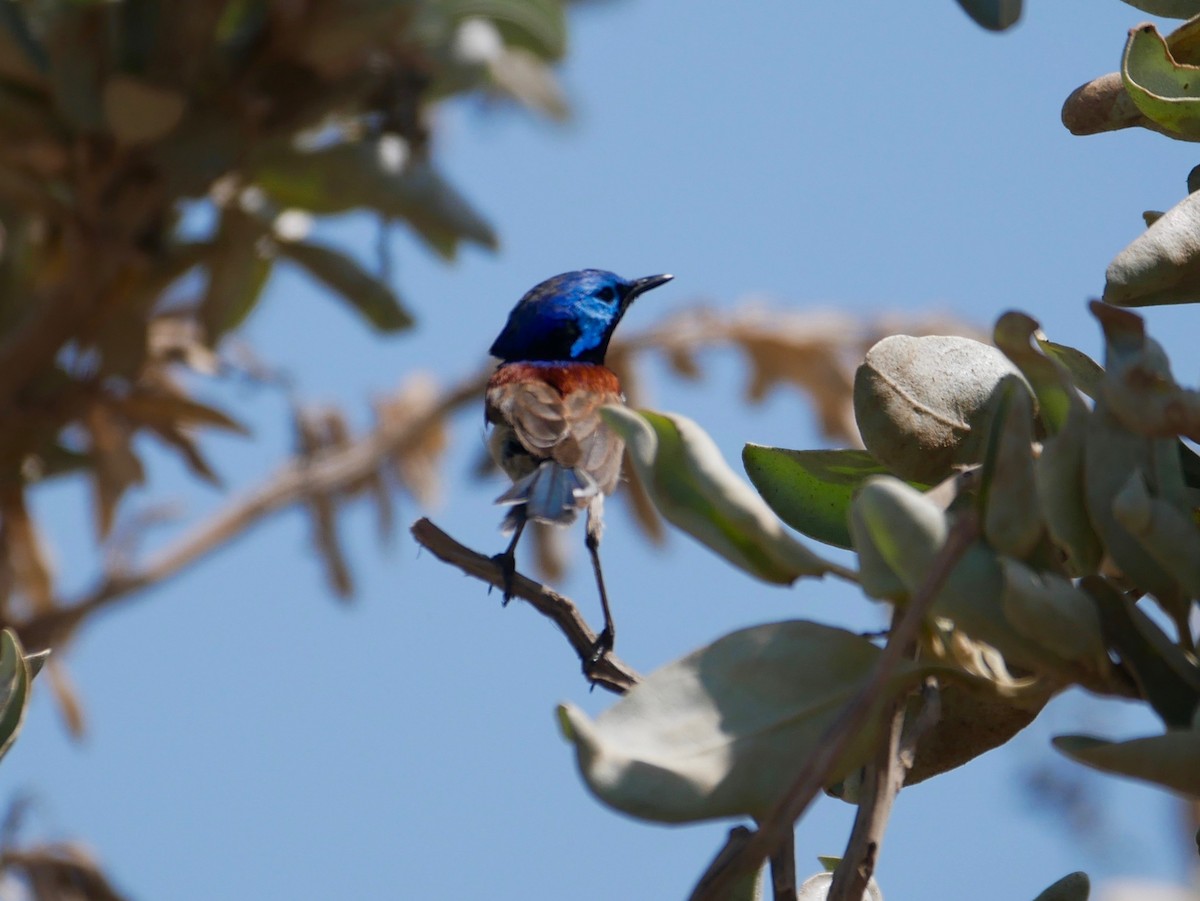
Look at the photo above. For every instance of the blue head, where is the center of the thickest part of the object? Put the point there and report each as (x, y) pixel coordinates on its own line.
(570, 317)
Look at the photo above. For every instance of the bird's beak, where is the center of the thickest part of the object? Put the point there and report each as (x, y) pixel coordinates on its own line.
(642, 285)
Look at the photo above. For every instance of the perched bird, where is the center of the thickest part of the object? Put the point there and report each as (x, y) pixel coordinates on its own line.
(543, 402)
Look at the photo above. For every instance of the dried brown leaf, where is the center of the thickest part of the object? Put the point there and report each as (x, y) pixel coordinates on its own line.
(683, 363)
(60, 872)
(115, 466)
(417, 461)
(318, 429)
(326, 540)
(25, 555)
(644, 513)
(187, 448)
(69, 706)
(169, 410)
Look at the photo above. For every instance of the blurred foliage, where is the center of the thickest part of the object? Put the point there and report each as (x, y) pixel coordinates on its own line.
(157, 161)
(124, 124)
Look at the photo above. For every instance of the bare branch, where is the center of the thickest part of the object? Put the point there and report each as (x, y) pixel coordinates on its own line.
(608, 672)
(296, 481)
(774, 829)
(882, 780)
(783, 869)
(332, 470)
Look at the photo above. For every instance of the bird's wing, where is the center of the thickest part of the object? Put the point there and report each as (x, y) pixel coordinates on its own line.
(564, 428)
(600, 447)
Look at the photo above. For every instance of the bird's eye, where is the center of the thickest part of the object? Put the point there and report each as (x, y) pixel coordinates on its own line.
(608, 294)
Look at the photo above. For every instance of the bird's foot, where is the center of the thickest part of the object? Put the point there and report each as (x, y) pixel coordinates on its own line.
(508, 567)
(602, 646)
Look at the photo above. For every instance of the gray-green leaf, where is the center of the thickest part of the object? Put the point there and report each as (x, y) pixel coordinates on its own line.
(371, 297)
(811, 490)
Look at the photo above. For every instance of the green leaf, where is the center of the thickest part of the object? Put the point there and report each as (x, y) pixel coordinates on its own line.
(908, 530)
(694, 488)
(1012, 520)
(724, 730)
(1110, 455)
(811, 490)
(1072, 887)
(1168, 679)
(1014, 334)
(1170, 760)
(536, 25)
(76, 40)
(237, 272)
(376, 174)
(1049, 610)
(1172, 9)
(139, 112)
(35, 662)
(1058, 473)
(876, 576)
(1085, 372)
(1169, 536)
(372, 298)
(14, 688)
(1166, 91)
(994, 15)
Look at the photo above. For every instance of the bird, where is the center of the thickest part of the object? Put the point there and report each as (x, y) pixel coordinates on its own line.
(543, 403)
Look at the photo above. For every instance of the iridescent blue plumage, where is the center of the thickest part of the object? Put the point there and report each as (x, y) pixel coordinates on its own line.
(544, 403)
(570, 316)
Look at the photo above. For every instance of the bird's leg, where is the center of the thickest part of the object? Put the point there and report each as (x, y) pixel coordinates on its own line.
(595, 524)
(508, 561)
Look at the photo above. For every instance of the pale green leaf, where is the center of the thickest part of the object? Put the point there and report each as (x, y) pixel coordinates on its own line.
(1171, 760)
(14, 688)
(694, 488)
(374, 300)
(377, 175)
(1166, 91)
(724, 730)
(1172, 9)
(1162, 265)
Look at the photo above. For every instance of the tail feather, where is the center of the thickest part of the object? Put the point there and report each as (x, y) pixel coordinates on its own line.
(551, 493)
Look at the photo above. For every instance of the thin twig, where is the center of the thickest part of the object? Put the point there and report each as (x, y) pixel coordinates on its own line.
(298, 480)
(783, 869)
(774, 829)
(734, 843)
(883, 778)
(608, 672)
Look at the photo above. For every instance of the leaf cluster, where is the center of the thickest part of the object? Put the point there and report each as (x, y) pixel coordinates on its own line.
(1076, 480)
(159, 160)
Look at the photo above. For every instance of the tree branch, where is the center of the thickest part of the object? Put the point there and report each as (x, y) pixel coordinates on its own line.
(722, 874)
(298, 480)
(608, 672)
(883, 778)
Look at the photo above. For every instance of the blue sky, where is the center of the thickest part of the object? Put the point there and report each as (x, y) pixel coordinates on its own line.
(248, 737)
